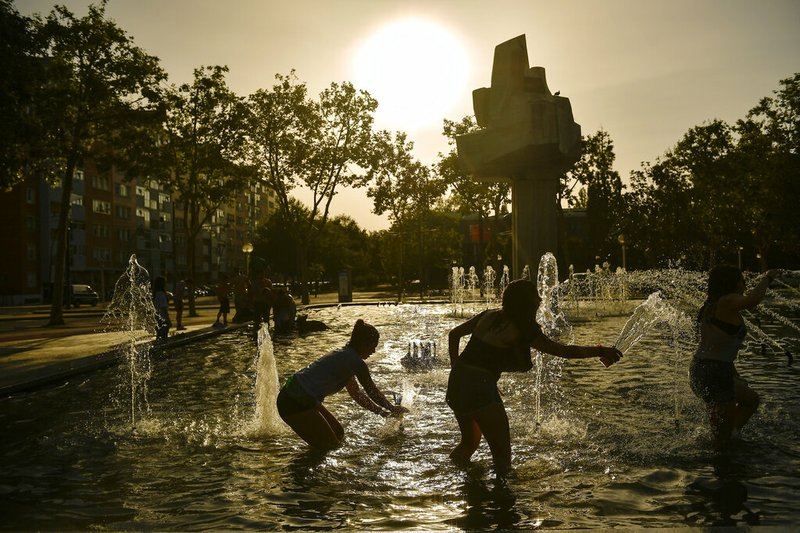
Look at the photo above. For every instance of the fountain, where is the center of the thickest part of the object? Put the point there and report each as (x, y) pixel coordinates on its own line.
(131, 312)
(624, 447)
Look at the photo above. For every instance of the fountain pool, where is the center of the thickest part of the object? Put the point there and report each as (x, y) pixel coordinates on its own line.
(625, 446)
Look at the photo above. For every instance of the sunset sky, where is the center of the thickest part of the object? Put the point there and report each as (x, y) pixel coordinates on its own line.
(644, 70)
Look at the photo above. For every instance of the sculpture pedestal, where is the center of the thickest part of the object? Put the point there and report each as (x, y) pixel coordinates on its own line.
(534, 219)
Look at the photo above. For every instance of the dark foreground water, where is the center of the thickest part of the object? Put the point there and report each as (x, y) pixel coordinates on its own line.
(619, 447)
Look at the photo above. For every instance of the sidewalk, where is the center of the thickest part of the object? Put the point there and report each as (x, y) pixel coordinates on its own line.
(33, 354)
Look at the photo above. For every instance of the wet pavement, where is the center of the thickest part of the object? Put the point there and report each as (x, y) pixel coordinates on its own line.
(33, 354)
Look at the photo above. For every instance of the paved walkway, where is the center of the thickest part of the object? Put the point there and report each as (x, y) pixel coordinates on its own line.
(33, 354)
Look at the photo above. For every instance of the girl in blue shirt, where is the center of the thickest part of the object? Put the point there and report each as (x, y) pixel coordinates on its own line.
(300, 399)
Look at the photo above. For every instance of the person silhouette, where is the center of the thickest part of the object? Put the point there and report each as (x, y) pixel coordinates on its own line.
(500, 341)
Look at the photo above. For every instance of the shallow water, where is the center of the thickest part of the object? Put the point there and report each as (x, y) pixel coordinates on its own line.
(620, 447)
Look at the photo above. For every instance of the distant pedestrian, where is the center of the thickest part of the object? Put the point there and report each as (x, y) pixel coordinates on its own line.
(242, 298)
(161, 303)
(180, 294)
(261, 289)
(223, 289)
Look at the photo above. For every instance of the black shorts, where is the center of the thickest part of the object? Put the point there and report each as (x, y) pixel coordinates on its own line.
(470, 388)
(293, 399)
(712, 381)
(224, 305)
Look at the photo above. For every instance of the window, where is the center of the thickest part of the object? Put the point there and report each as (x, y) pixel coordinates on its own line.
(102, 207)
(139, 191)
(122, 190)
(31, 280)
(30, 195)
(30, 224)
(143, 213)
(101, 254)
(78, 175)
(101, 183)
(75, 199)
(101, 230)
(124, 234)
(31, 251)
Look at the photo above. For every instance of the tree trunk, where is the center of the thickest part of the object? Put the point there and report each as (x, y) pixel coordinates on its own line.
(190, 263)
(302, 267)
(57, 306)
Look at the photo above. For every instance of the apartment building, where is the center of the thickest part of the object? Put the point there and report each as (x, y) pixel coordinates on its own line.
(111, 219)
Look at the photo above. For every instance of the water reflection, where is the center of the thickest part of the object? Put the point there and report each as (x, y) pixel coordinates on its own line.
(721, 499)
(614, 449)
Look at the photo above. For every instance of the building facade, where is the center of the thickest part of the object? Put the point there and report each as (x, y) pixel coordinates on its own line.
(112, 218)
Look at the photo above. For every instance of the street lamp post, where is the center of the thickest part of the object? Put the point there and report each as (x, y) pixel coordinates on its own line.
(739, 250)
(247, 248)
(621, 240)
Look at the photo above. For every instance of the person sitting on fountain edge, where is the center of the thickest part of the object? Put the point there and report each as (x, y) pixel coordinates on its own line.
(712, 374)
(500, 341)
(300, 399)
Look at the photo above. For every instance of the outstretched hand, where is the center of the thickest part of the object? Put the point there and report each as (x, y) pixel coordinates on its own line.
(609, 355)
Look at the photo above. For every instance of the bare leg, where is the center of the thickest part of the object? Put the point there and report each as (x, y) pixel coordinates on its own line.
(470, 439)
(493, 422)
(722, 416)
(747, 401)
(314, 427)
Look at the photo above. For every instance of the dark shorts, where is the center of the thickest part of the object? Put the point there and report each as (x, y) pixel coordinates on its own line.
(470, 388)
(293, 399)
(224, 305)
(712, 381)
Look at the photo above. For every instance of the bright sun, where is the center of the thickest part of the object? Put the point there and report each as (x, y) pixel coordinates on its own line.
(417, 71)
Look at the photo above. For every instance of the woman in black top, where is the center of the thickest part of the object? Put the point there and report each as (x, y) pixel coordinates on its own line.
(500, 341)
(713, 378)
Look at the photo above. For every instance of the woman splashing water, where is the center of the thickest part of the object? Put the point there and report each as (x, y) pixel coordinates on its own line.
(300, 400)
(500, 341)
(713, 377)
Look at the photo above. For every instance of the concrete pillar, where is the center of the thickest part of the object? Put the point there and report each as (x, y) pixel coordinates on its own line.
(534, 219)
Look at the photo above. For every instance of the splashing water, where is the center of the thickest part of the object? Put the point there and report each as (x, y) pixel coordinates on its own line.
(644, 318)
(132, 313)
(266, 419)
(421, 355)
(489, 276)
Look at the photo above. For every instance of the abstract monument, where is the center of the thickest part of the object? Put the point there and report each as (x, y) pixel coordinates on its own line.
(529, 138)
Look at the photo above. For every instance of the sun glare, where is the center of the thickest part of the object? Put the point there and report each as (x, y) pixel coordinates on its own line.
(416, 69)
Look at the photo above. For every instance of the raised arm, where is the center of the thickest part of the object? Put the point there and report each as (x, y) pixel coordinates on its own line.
(753, 297)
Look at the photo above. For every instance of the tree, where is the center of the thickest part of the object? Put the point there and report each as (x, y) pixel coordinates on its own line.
(281, 126)
(99, 84)
(198, 153)
(402, 186)
(604, 204)
(22, 68)
(769, 157)
(472, 195)
(322, 145)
